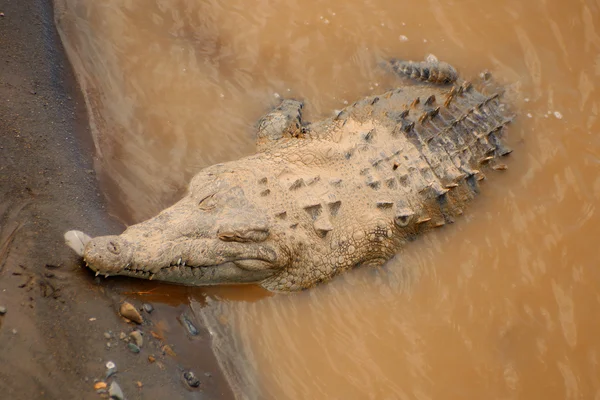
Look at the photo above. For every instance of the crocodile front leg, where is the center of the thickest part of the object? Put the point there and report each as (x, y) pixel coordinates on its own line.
(285, 121)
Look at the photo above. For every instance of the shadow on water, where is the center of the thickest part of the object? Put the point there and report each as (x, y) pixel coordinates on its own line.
(499, 305)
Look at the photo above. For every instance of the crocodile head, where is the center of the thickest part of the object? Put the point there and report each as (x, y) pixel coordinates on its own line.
(219, 233)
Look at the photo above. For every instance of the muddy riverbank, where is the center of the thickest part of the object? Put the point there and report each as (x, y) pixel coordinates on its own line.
(52, 336)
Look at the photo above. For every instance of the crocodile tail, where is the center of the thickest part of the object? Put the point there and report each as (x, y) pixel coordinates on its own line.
(430, 70)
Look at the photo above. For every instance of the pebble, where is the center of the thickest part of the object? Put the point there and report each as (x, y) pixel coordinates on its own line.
(128, 311)
(122, 335)
(2, 310)
(115, 392)
(137, 338)
(111, 369)
(147, 307)
(134, 348)
(168, 350)
(107, 335)
(190, 379)
(189, 325)
(99, 385)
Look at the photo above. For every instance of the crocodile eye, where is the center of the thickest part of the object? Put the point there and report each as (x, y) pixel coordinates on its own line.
(208, 203)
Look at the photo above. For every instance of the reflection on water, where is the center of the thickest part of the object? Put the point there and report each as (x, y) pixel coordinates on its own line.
(503, 304)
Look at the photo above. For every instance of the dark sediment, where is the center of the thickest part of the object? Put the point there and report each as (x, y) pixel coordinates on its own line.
(52, 342)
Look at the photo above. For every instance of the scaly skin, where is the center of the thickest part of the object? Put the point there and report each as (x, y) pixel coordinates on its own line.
(322, 198)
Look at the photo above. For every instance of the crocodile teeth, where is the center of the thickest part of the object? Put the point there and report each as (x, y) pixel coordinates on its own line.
(179, 261)
(97, 273)
(151, 276)
(106, 275)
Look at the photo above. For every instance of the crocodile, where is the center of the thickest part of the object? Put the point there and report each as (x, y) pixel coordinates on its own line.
(321, 198)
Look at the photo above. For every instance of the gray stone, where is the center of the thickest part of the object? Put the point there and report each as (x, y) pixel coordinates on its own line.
(191, 379)
(115, 392)
(148, 307)
(134, 348)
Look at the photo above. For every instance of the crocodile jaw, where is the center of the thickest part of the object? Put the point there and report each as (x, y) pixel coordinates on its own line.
(193, 262)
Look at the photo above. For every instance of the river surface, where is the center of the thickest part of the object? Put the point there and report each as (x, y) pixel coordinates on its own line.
(503, 304)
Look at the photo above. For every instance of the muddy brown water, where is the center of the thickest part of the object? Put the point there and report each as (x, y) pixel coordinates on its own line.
(503, 304)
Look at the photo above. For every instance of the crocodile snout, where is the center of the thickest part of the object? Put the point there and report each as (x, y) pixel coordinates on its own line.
(107, 254)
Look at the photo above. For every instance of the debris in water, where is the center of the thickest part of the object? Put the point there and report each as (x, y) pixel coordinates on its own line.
(77, 240)
(403, 38)
(189, 325)
(558, 115)
(3, 310)
(128, 311)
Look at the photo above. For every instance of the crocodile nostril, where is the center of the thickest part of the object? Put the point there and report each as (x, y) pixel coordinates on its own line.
(113, 247)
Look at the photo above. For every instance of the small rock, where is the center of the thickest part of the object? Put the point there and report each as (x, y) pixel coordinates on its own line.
(133, 348)
(139, 384)
(137, 338)
(168, 350)
(14, 331)
(207, 374)
(122, 335)
(111, 369)
(99, 386)
(115, 392)
(147, 307)
(1, 14)
(128, 311)
(107, 335)
(190, 379)
(2, 310)
(151, 359)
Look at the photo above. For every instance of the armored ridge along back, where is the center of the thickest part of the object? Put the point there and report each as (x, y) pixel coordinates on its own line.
(319, 198)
